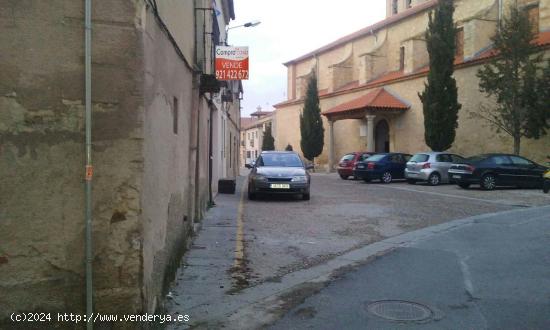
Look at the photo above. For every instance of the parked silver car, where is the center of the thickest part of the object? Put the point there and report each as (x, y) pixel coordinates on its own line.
(432, 167)
(279, 172)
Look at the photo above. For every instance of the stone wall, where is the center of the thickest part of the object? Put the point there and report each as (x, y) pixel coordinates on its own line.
(42, 156)
(150, 184)
(407, 128)
(166, 196)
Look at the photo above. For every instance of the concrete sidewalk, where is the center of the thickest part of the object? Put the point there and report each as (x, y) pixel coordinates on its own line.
(205, 277)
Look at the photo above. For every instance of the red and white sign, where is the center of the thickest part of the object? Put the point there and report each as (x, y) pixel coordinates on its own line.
(231, 63)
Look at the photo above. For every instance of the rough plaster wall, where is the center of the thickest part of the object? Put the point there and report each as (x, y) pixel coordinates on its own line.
(165, 196)
(289, 133)
(179, 16)
(202, 189)
(42, 150)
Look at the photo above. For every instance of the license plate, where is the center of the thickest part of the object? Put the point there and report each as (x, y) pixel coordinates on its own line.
(279, 186)
(456, 176)
(360, 166)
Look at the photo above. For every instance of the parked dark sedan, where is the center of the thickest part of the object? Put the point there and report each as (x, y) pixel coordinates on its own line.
(492, 170)
(384, 167)
(279, 172)
(347, 163)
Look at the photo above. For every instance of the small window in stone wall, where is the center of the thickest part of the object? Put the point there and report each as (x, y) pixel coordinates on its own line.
(401, 58)
(394, 7)
(175, 116)
(459, 40)
(533, 14)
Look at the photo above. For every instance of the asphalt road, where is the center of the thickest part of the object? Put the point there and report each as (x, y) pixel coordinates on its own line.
(249, 253)
(491, 274)
(284, 234)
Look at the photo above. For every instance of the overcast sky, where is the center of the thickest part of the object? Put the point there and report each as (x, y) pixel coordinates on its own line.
(289, 29)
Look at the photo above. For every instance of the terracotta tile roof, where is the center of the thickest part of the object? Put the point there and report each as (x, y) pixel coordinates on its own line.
(376, 99)
(261, 113)
(368, 30)
(247, 122)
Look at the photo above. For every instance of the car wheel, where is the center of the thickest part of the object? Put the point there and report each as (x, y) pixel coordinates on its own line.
(386, 177)
(434, 179)
(464, 185)
(344, 177)
(546, 186)
(488, 182)
(305, 197)
(411, 181)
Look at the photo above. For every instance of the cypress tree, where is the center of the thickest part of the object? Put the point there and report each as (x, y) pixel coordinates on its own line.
(439, 99)
(311, 124)
(515, 80)
(268, 142)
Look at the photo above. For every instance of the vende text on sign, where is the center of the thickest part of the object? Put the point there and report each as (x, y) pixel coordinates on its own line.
(231, 63)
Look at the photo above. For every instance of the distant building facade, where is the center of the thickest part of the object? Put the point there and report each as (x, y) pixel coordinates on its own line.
(252, 133)
(163, 131)
(369, 82)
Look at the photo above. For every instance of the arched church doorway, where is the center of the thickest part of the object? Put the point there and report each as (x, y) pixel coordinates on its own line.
(382, 136)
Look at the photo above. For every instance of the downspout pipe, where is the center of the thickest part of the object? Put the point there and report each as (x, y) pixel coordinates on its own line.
(89, 167)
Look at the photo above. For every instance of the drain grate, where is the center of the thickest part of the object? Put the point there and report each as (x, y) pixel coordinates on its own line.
(400, 310)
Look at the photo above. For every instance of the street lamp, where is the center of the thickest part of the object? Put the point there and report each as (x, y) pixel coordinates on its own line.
(249, 24)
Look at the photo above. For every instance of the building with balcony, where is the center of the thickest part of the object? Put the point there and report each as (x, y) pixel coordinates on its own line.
(369, 82)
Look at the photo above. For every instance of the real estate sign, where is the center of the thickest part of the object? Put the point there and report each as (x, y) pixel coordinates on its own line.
(231, 63)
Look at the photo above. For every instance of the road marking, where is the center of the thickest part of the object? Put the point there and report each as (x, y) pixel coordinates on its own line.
(452, 196)
(239, 246)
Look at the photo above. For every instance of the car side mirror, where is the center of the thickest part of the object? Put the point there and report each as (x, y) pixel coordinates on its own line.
(309, 166)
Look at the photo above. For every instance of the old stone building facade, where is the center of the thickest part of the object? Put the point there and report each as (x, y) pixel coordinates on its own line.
(369, 82)
(252, 134)
(157, 136)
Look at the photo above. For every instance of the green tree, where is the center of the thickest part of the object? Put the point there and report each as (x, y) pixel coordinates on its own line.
(311, 124)
(439, 99)
(517, 82)
(268, 142)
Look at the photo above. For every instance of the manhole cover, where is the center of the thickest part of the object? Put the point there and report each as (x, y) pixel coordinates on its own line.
(400, 310)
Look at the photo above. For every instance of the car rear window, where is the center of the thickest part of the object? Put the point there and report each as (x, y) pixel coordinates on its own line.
(347, 157)
(375, 158)
(364, 157)
(444, 158)
(419, 158)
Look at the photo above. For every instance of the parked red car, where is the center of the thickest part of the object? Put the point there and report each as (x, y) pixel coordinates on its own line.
(347, 163)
